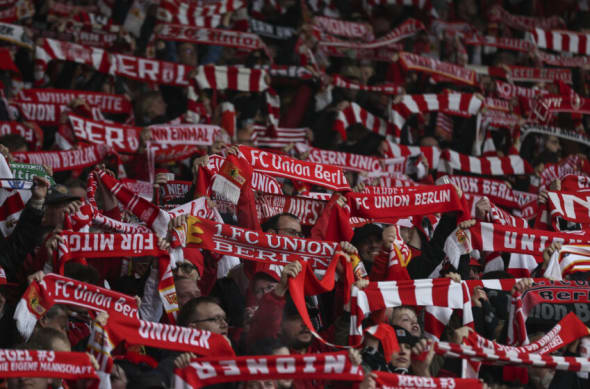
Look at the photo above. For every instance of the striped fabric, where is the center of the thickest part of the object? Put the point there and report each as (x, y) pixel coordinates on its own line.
(560, 40)
(354, 113)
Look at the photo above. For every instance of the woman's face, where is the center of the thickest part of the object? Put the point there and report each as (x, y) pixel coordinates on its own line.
(402, 359)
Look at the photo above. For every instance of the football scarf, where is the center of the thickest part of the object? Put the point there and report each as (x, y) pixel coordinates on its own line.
(47, 364)
(277, 137)
(391, 380)
(500, 42)
(562, 61)
(508, 90)
(438, 69)
(504, 238)
(354, 113)
(195, 14)
(60, 161)
(136, 68)
(328, 176)
(210, 36)
(451, 103)
(343, 28)
(525, 23)
(105, 101)
(346, 161)
(33, 138)
(15, 34)
(569, 259)
(120, 137)
(572, 206)
(573, 136)
(489, 166)
(40, 296)
(497, 191)
(258, 246)
(407, 202)
(388, 89)
(560, 40)
(210, 371)
(22, 176)
(435, 294)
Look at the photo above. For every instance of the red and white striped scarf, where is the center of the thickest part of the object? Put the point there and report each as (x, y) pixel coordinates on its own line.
(560, 40)
(451, 103)
(193, 14)
(354, 113)
(321, 366)
(495, 237)
(568, 260)
(439, 292)
(497, 191)
(278, 137)
(441, 71)
(29, 134)
(136, 68)
(490, 166)
(344, 28)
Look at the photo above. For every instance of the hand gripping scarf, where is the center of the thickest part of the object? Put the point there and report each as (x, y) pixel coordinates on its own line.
(543, 291)
(328, 176)
(91, 245)
(46, 364)
(569, 259)
(210, 371)
(40, 296)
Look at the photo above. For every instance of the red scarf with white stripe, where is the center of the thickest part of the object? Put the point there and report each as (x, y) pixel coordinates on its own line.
(105, 101)
(567, 41)
(390, 380)
(210, 371)
(449, 102)
(194, 14)
(499, 14)
(354, 113)
(432, 293)
(136, 68)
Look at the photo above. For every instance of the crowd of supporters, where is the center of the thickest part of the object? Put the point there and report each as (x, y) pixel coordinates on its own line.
(399, 188)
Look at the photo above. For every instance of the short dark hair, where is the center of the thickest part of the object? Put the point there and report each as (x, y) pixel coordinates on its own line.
(273, 222)
(187, 312)
(81, 272)
(45, 336)
(13, 141)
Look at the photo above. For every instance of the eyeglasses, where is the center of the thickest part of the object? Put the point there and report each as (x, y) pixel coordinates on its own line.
(291, 232)
(219, 319)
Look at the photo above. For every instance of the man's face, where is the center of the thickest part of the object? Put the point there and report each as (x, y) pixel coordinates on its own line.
(186, 289)
(289, 226)
(369, 248)
(187, 54)
(28, 383)
(295, 333)
(54, 215)
(60, 345)
(210, 317)
(552, 144)
(407, 319)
